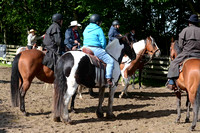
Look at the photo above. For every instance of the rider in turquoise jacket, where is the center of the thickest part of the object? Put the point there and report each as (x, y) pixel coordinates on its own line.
(90, 36)
(94, 39)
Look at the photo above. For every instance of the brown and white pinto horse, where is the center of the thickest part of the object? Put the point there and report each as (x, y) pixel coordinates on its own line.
(129, 67)
(26, 66)
(189, 81)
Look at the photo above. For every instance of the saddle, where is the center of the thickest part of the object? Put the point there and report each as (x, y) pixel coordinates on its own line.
(93, 59)
(100, 66)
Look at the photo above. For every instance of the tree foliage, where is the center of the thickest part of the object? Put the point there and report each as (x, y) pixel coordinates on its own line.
(161, 19)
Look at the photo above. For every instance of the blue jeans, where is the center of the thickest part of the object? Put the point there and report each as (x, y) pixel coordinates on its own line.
(105, 57)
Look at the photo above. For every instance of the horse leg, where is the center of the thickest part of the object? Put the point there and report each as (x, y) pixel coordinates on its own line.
(72, 103)
(195, 108)
(23, 90)
(70, 92)
(178, 103)
(140, 77)
(80, 89)
(133, 84)
(188, 104)
(92, 92)
(124, 91)
(99, 111)
(122, 81)
(110, 102)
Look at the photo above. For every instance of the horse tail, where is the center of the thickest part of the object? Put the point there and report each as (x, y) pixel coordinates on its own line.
(60, 87)
(15, 76)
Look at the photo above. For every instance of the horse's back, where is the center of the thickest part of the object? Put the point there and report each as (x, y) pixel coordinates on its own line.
(30, 65)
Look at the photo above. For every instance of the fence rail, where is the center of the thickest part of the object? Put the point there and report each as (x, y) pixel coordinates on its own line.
(10, 53)
(157, 68)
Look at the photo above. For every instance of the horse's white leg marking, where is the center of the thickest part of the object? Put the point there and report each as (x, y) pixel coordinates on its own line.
(72, 86)
(124, 91)
(80, 89)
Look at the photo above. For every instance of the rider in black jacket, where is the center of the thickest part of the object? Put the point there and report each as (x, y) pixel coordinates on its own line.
(53, 41)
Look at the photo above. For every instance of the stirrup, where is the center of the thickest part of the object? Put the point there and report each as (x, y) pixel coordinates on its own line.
(110, 83)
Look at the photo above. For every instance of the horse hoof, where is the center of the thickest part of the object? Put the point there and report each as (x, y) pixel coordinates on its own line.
(177, 120)
(192, 128)
(187, 120)
(67, 122)
(110, 116)
(73, 111)
(99, 114)
(56, 119)
(26, 113)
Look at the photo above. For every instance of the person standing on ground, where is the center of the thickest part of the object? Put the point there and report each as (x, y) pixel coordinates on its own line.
(32, 39)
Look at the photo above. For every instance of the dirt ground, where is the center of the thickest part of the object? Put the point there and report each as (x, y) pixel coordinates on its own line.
(148, 110)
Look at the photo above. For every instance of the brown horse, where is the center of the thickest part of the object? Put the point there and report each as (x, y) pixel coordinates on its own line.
(26, 66)
(189, 81)
(128, 68)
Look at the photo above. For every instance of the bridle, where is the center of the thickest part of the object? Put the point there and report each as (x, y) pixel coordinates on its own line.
(152, 53)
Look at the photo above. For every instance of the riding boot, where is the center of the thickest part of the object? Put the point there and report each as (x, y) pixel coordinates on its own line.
(171, 84)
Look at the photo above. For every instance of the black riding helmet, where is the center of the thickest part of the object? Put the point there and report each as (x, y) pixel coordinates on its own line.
(57, 17)
(115, 22)
(95, 18)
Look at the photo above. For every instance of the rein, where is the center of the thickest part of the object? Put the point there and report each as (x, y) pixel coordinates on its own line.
(113, 57)
(151, 57)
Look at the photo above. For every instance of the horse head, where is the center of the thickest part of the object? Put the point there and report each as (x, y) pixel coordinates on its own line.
(174, 49)
(152, 48)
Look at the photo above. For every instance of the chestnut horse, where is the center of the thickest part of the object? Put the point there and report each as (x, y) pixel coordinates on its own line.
(26, 66)
(189, 81)
(129, 67)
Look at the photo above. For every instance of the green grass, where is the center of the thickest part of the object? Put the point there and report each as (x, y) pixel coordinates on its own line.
(5, 65)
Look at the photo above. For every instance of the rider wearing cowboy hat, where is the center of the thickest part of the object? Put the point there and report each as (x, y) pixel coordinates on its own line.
(32, 39)
(72, 38)
(189, 42)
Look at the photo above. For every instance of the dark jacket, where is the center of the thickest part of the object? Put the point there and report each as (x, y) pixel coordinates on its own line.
(113, 33)
(53, 43)
(131, 37)
(189, 42)
(69, 38)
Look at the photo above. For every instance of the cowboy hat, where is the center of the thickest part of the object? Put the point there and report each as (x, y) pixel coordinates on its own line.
(32, 30)
(74, 23)
(194, 19)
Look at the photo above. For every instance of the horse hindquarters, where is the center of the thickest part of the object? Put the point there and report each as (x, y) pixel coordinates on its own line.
(191, 74)
(62, 70)
(15, 76)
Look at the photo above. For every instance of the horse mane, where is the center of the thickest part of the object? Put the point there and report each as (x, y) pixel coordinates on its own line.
(176, 47)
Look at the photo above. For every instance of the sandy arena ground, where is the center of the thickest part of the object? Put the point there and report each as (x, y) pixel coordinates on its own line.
(148, 110)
